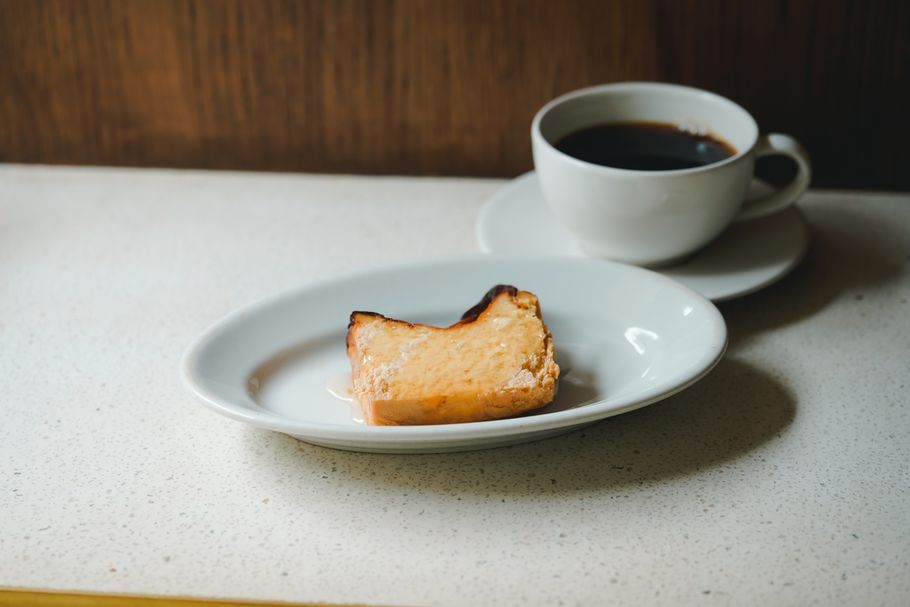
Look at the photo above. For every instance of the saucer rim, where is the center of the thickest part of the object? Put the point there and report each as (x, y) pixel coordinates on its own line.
(801, 248)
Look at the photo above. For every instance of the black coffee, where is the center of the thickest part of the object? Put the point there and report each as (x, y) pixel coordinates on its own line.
(644, 146)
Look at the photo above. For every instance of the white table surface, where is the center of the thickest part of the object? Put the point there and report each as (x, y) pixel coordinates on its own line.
(782, 478)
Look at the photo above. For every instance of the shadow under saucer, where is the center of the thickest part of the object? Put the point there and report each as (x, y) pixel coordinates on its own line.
(850, 251)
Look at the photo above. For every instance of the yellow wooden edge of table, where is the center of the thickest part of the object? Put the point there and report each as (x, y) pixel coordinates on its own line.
(16, 597)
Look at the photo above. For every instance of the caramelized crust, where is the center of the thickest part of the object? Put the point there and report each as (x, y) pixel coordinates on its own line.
(496, 362)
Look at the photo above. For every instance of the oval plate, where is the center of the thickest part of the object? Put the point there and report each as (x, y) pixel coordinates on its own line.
(625, 338)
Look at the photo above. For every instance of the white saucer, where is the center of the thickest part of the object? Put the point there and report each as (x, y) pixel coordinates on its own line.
(746, 258)
(270, 365)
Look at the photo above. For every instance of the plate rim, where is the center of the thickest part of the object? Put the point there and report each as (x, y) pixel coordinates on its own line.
(443, 433)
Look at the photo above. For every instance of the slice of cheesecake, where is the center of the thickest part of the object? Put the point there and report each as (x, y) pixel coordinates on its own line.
(496, 362)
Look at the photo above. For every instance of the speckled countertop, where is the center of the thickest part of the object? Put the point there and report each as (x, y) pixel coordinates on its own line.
(782, 478)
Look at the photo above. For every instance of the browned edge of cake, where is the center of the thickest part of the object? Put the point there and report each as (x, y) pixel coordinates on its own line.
(470, 316)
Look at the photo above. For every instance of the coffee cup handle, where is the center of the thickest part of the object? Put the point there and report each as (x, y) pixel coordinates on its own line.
(778, 144)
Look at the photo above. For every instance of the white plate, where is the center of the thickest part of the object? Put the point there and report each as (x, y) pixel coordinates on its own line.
(625, 338)
(748, 257)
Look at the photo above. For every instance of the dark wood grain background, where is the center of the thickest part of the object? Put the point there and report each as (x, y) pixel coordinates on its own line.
(432, 87)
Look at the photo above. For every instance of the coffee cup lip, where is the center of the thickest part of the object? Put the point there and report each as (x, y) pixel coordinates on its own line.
(643, 86)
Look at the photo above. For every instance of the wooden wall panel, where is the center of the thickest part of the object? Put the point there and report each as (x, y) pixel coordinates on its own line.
(431, 86)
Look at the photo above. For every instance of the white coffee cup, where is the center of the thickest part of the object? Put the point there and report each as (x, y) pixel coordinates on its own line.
(655, 217)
